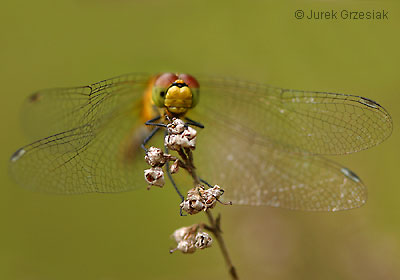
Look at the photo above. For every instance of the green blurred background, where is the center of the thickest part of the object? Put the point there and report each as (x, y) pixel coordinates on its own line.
(126, 236)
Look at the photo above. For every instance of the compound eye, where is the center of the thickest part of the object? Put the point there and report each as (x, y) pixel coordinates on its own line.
(158, 96)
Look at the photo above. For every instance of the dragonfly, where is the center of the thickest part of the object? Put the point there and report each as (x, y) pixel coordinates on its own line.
(265, 145)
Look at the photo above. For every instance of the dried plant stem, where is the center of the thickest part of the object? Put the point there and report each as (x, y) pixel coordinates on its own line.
(214, 223)
(216, 230)
(188, 160)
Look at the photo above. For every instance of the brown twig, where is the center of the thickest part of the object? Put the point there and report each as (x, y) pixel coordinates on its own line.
(215, 223)
(216, 230)
(188, 160)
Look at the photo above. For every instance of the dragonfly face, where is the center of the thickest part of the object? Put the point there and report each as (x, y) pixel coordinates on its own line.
(264, 145)
(176, 92)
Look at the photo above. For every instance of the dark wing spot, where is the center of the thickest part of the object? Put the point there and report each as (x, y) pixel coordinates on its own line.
(369, 102)
(350, 174)
(17, 155)
(35, 97)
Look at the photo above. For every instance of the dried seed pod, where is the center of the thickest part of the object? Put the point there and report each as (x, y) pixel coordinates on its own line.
(203, 240)
(174, 167)
(188, 138)
(192, 206)
(154, 177)
(155, 157)
(173, 142)
(186, 246)
(177, 126)
(180, 233)
(180, 136)
(200, 199)
(190, 238)
(185, 237)
(211, 196)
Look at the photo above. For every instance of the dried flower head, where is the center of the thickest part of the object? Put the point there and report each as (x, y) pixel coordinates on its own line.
(156, 157)
(180, 136)
(192, 206)
(199, 199)
(190, 238)
(189, 138)
(186, 246)
(154, 177)
(177, 126)
(173, 142)
(203, 240)
(211, 196)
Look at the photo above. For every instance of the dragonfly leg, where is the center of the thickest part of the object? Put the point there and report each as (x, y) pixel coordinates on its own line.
(173, 183)
(205, 182)
(147, 139)
(153, 132)
(194, 123)
(153, 123)
(172, 179)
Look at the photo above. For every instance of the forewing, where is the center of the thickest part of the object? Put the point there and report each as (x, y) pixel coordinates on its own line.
(51, 111)
(254, 173)
(293, 120)
(96, 150)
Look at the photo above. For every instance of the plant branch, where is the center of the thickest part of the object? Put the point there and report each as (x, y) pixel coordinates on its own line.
(215, 223)
(216, 230)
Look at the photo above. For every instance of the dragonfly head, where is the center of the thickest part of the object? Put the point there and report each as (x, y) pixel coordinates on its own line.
(176, 92)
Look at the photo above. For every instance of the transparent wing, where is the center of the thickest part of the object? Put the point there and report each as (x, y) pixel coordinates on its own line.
(257, 173)
(96, 132)
(297, 121)
(56, 110)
